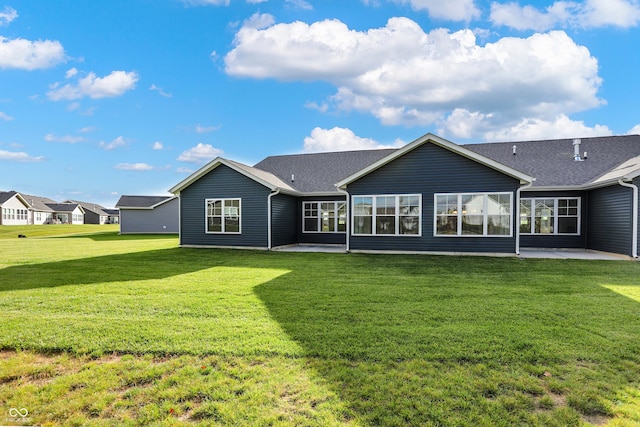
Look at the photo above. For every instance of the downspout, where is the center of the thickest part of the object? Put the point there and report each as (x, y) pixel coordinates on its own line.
(518, 191)
(269, 217)
(348, 210)
(634, 215)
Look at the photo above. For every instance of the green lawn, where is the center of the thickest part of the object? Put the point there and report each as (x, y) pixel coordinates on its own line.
(101, 329)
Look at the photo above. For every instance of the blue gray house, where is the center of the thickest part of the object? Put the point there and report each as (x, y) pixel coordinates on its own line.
(429, 196)
(148, 214)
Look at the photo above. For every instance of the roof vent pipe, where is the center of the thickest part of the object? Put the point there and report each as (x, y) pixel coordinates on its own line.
(576, 150)
(514, 150)
(293, 177)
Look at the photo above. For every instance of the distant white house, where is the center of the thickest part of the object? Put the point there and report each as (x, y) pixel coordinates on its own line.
(149, 214)
(15, 209)
(24, 209)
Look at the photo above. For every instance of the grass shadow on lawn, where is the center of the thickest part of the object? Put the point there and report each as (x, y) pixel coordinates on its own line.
(466, 341)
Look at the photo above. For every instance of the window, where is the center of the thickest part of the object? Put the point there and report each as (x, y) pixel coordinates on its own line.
(223, 216)
(324, 217)
(395, 215)
(473, 214)
(550, 216)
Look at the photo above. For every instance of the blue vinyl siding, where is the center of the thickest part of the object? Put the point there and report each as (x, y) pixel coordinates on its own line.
(426, 170)
(161, 219)
(284, 220)
(557, 240)
(224, 182)
(610, 217)
(320, 238)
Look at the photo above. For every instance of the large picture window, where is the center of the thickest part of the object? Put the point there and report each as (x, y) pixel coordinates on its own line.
(324, 217)
(473, 214)
(223, 216)
(395, 215)
(550, 216)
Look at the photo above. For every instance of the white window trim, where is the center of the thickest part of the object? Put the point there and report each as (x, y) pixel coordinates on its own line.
(397, 215)
(336, 219)
(485, 222)
(555, 216)
(206, 215)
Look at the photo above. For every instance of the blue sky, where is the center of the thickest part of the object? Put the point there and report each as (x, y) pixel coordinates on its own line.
(101, 99)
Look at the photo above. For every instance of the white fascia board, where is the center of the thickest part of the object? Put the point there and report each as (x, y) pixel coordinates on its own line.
(196, 175)
(21, 199)
(441, 142)
(168, 199)
(233, 165)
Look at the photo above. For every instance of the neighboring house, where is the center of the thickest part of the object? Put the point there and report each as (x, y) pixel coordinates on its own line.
(148, 214)
(15, 209)
(429, 196)
(94, 213)
(39, 211)
(67, 213)
(114, 216)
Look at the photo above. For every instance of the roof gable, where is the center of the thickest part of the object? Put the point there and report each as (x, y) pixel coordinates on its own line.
(441, 142)
(260, 176)
(5, 196)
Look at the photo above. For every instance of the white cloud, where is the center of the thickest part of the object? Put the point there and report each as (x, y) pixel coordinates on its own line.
(30, 55)
(7, 15)
(158, 145)
(618, 13)
(341, 139)
(454, 10)
(160, 91)
(634, 130)
(71, 73)
(562, 14)
(19, 156)
(70, 139)
(205, 129)
(201, 153)
(5, 117)
(560, 127)
(118, 142)
(87, 129)
(112, 85)
(258, 21)
(299, 4)
(134, 166)
(402, 75)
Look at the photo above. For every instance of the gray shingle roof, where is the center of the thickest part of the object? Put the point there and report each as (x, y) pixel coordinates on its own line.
(63, 207)
(552, 162)
(319, 172)
(93, 207)
(142, 202)
(39, 203)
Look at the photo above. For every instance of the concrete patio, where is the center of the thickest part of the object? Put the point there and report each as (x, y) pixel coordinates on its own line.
(525, 253)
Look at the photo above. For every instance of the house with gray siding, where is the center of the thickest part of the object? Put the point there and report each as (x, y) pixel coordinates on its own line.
(148, 214)
(430, 196)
